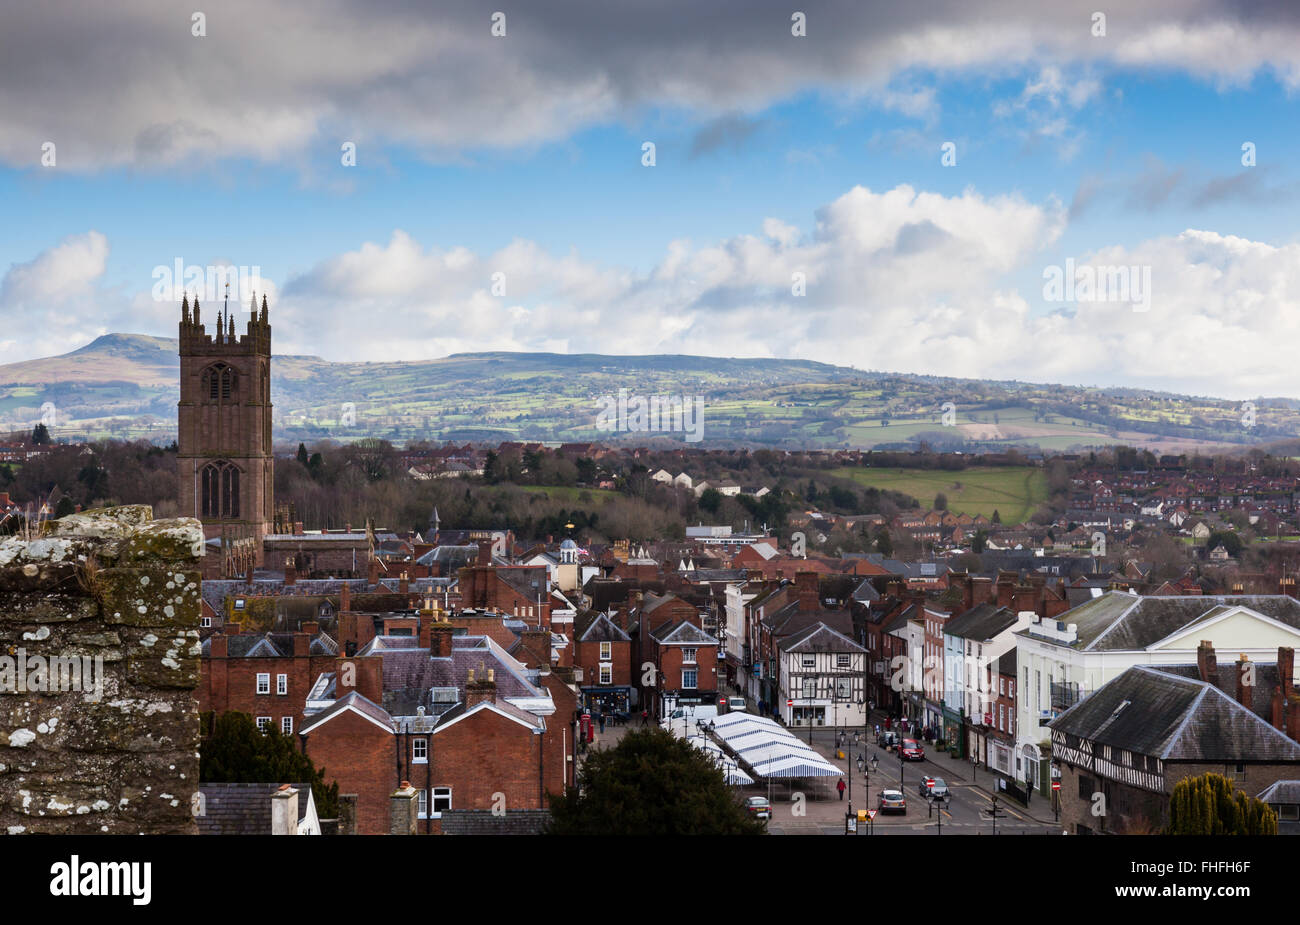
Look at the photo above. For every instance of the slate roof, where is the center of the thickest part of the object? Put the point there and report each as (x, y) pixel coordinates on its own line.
(819, 638)
(1160, 714)
(354, 701)
(682, 632)
(603, 629)
(270, 645)
(485, 822)
(981, 623)
(1118, 620)
(1282, 792)
(243, 809)
(410, 672)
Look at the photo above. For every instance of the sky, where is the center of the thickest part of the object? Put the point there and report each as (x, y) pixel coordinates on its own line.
(921, 188)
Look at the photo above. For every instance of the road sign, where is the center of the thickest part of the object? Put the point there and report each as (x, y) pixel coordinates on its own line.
(929, 782)
(789, 703)
(1056, 785)
(871, 814)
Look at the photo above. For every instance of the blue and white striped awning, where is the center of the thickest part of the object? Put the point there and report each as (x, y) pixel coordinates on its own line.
(769, 748)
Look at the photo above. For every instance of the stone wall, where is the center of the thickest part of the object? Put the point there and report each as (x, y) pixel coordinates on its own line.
(105, 739)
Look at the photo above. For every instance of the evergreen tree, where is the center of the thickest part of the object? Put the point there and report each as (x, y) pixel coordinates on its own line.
(232, 750)
(651, 783)
(1211, 805)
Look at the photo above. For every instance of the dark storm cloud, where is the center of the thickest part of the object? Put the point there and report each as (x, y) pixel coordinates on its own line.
(127, 82)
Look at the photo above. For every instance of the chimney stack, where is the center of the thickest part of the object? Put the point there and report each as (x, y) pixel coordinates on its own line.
(345, 597)
(806, 585)
(290, 571)
(372, 571)
(405, 816)
(284, 811)
(1245, 681)
(481, 689)
(440, 636)
(404, 584)
(484, 552)
(1207, 663)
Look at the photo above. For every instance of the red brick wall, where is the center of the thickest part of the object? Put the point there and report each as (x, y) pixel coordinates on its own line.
(485, 754)
(670, 665)
(362, 758)
(587, 657)
(227, 684)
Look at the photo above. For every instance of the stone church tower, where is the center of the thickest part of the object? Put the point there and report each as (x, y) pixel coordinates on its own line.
(224, 418)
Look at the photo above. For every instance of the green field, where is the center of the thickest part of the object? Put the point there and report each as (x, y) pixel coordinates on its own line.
(1014, 492)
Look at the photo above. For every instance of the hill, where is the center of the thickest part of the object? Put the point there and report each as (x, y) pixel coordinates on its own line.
(126, 385)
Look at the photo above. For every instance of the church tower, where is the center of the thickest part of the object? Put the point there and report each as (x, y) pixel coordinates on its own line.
(224, 441)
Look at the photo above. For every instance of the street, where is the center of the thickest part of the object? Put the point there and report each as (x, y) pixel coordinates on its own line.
(822, 813)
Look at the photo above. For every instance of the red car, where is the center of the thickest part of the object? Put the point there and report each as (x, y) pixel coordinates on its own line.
(912, 750)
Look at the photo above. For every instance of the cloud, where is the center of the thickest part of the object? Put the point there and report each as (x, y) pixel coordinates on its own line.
(128, 84)
(730, 132)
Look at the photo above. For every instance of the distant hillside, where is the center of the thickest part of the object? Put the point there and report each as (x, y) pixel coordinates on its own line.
(126, 385)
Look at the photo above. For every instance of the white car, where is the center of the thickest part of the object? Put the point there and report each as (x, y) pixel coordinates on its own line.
(735, 704)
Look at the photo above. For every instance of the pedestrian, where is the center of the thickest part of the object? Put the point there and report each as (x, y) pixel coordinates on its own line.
(600, 717)
(644, 716)
(840, 788)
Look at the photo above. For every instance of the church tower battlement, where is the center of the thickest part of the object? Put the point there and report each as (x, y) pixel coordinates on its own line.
(226, 468)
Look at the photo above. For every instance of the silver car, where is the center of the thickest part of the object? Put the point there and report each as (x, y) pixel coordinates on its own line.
(934, 788)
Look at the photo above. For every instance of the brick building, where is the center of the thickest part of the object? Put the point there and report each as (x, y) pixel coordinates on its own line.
(469, 725)
(604, 652)
(265, 675)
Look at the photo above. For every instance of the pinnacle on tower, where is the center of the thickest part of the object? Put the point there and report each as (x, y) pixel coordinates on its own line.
(231, 320)
(196, 309)
(185, 308)
(264, 308)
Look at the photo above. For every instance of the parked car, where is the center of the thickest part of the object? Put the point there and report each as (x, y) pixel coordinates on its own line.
(912, 750)
(888, 740)
(893, 801)
(735, 704)
(688, 716)
(934, 788)
(759, 807)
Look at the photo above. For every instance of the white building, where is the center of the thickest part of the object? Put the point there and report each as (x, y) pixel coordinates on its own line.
(822, 673)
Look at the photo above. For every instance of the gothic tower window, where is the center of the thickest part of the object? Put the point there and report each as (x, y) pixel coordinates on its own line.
(218, 382)
(220, 490)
